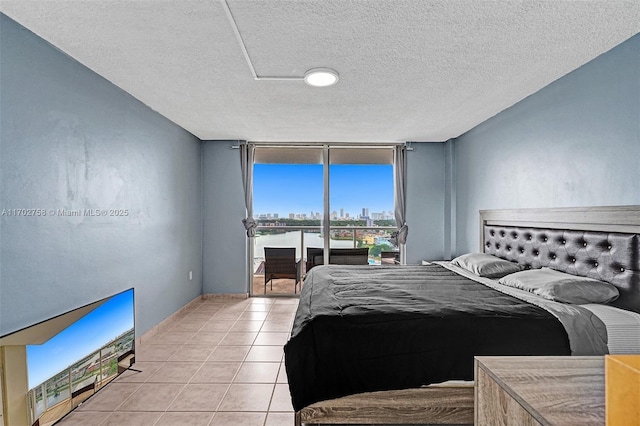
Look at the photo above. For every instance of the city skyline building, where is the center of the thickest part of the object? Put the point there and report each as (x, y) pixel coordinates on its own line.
(364, 215)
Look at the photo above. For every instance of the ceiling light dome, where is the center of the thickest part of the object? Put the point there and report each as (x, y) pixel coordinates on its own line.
(321, 77)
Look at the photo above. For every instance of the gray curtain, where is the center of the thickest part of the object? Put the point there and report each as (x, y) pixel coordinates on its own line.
(400, 195)
(247, 152)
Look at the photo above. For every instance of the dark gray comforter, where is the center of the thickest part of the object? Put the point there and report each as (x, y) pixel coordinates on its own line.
(362, 328)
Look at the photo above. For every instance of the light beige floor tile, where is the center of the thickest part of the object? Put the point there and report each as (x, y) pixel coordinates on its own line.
(279, 317)
(261, 301)
(230, 308)
(253, 316)
(243, 326)
(189, 324)
(284, 309)
(271, 339)
(247, 397)
(199, 397)
(258, 308)
(131, 419)
(175, 372)
(236, 418)
(173, 337)
(276, 325)
(203, 312)
(152, 397)
(281, 400)
(287, 301)
(265, 353)
(229, 353)
(110, 397)
(217, 325)
(236, 339)
(216, 372)
(190, 352)
(203, 337)
(84, 418)
(185, 419)
(153, 352)
(139, 372)
(226, 315)
(279, 419)
(282, 374)
(257, 372)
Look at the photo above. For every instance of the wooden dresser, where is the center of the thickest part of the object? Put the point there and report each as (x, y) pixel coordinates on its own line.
(541, 390)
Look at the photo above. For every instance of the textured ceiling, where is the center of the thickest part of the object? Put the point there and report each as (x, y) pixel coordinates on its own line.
(409, 70)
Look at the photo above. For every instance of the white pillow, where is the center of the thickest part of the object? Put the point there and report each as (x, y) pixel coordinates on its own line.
(562, 287)
(486, 265)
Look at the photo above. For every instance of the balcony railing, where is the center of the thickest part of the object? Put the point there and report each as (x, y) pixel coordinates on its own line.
(52, 399)
(301, 237)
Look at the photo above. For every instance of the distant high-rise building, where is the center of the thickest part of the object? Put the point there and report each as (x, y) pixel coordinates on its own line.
(365, 212)
(341, 212)
(292, 215)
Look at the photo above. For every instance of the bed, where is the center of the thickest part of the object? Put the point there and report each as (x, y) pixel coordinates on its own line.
(366, 329)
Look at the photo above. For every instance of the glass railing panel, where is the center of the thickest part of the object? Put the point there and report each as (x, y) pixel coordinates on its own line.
(342, 238)
(125, 343)
(84, 378)
(378, 241)
(57, 388)
(106, 368)
(376, 238)
(37, 398)
(85, 372)
(297, 237)
(273, 237)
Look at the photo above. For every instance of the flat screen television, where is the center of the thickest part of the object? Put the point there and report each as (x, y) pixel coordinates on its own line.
(79, 360)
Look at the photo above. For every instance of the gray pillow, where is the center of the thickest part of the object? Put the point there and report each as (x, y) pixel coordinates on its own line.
(486, 265)
(562, 287)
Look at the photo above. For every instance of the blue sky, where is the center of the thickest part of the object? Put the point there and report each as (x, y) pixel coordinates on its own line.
(297, 188)
(86, 335)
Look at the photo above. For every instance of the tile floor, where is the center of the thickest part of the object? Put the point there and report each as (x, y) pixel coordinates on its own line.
(222, 363)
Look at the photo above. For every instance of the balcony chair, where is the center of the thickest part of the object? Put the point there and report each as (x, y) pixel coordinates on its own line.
(337, 256)
(280, 262)
(390, 257)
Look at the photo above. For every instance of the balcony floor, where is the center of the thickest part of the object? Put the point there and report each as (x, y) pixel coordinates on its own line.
(281, 287)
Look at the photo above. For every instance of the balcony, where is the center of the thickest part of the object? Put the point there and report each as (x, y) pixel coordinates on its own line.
(302, 237)
(50, 401)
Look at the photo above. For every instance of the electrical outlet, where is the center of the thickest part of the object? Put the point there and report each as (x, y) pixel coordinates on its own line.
(190, 275)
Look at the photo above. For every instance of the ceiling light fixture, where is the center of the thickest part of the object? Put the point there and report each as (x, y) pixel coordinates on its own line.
(321, 77)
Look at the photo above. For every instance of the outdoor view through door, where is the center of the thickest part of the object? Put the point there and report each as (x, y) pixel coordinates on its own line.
(289, 188)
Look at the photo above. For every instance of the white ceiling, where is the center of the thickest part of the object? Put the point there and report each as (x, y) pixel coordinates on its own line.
(412, 70)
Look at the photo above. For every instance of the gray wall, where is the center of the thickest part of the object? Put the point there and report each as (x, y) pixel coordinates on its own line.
(224, 267)
(426, 202)
(574, 143)
(72, 140)
(225, 240)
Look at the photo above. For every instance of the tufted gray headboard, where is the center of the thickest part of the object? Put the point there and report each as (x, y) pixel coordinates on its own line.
(598, 242)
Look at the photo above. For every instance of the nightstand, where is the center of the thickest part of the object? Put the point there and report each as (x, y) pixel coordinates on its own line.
(539, 390)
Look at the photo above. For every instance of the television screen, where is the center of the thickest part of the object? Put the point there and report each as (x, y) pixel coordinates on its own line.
(71, 366)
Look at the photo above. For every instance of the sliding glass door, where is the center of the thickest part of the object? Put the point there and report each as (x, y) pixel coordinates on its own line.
(361, 199)
(310, 198)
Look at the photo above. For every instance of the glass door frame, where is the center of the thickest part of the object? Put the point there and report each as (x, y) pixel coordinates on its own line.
(326, 221)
